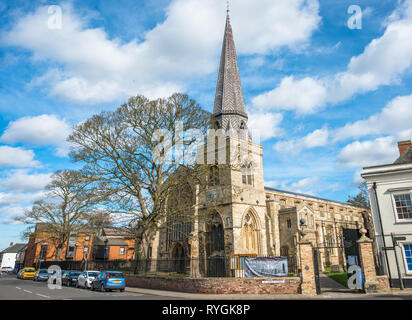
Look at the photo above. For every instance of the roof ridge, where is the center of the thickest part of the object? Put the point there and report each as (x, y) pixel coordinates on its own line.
(311, 196)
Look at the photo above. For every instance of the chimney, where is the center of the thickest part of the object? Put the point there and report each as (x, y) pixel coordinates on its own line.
(11, 244)
(403, 146)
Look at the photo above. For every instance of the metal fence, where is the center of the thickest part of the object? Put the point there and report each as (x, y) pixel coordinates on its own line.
(394, 258)
(221, 266)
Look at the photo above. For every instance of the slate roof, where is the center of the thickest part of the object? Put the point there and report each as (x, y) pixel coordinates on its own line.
(99, 241)
(311, 196)
(117, 232)
(229, 97)
(405, 158)
(14, 248)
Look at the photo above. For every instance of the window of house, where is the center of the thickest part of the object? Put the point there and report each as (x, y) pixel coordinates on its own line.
(121, 250)
(289, 223)
(43, 252)
(403, 205)
(71, 251)
(407, 250)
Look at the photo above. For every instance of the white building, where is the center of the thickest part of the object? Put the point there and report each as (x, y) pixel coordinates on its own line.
(8, 256)
(390, 191)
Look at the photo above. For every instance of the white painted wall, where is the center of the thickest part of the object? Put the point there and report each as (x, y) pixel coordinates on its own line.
(390, 180)
(9, 259)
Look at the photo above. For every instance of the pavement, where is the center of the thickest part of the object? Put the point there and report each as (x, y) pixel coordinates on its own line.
(331, 290)
(392, 295)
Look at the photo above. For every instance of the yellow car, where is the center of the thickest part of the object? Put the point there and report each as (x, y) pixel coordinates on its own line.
(28, 273)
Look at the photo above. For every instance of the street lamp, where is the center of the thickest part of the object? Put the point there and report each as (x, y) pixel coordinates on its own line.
(105, 249)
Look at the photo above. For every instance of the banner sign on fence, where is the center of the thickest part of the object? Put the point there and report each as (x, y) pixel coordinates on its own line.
(266, 267)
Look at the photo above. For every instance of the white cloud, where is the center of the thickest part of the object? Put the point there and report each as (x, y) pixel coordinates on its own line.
(317, 138)
(17, 198)
(357, 178)
(303, 95)
(16, 157)
(395, 118)
(383, 61)
(305, 184)
(22, 189)
(43, 130)
(8, 215)
(22, 181)
(94, 68)
(368, 153)
(265, 125)
(13, 205)
(394, 121)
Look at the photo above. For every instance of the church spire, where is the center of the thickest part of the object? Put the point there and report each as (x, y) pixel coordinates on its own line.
(229, 105)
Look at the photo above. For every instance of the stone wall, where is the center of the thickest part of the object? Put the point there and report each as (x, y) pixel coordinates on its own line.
(383, 283)
(289, 285)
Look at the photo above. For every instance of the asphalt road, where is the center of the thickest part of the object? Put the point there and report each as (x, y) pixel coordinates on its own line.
(12, 288)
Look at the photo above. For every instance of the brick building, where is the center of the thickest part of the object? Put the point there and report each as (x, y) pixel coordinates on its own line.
(107, 244)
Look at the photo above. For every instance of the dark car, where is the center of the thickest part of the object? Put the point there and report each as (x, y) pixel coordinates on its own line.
(108, 281)
(41, 275)
(69, 278)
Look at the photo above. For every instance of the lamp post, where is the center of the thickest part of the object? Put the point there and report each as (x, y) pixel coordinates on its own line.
(86, 252)
(105, 250)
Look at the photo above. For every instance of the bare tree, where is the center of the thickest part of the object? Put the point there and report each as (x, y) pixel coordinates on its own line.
(66, 209)
(118, 149)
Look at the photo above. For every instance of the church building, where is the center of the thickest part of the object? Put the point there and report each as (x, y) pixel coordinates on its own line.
(245, 217)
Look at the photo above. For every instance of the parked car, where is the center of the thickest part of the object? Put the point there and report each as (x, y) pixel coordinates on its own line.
(41, 275)
(69, 278)
(27, 273)
(109, 280)
(86, 278)
(7, 269)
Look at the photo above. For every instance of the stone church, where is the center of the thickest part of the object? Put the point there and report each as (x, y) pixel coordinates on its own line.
(245, 217)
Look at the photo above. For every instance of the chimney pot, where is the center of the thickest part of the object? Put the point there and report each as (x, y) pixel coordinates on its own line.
(403, 146)
(11, 244)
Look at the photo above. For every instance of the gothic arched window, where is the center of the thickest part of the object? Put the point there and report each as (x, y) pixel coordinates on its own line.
(250, 233)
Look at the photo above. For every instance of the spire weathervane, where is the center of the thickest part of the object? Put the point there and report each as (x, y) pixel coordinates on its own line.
(228, 7)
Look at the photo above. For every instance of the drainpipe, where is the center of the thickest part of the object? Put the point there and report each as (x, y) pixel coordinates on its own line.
(383, 235)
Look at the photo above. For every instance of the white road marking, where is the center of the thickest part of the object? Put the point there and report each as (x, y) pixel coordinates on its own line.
(27, 291)
(41, 295)
(18, 288)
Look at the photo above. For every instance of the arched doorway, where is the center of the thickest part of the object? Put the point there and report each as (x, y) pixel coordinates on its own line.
(215, 246)
(179, 259)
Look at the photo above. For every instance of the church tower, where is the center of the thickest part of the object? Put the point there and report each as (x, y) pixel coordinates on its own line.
(237, 200)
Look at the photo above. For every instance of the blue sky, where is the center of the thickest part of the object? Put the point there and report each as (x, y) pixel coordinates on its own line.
(327, 99)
